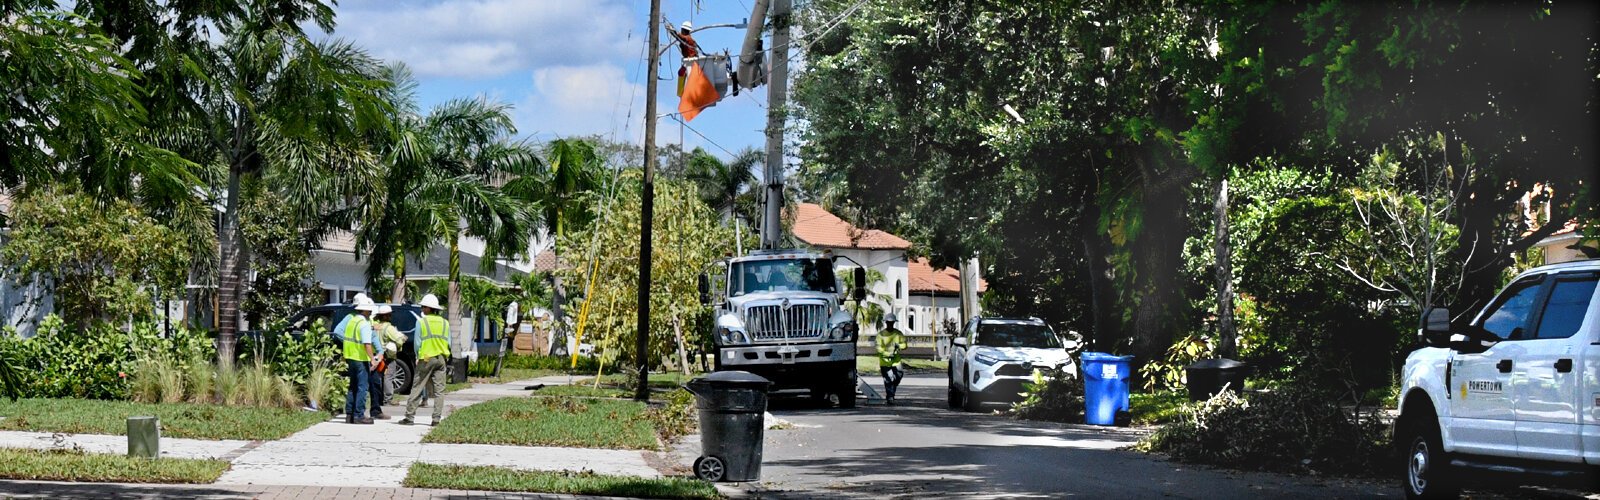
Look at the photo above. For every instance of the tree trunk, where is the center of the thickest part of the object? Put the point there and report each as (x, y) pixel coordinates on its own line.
(398, 294)
(1226, 334)
(683, 358)
(458, 336)
(230, 272)
(1156, 253)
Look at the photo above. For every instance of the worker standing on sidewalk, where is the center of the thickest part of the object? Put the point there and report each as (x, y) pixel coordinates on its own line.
(890, 343)
(433, 352)
(378, 381)
(358, 358)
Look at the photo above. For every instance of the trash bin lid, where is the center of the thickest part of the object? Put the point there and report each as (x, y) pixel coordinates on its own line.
(1102, 357)
(1215, 364)
(732, 378)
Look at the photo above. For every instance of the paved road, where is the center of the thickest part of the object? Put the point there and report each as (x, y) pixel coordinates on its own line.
(920, 450)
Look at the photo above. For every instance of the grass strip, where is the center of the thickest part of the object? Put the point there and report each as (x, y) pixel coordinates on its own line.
(1155, 408)
(179, 420)
(668, 380)
(457, 477)
(582, 390)
(62, 465)
(514, 374)
(570, 422)
(869, 365)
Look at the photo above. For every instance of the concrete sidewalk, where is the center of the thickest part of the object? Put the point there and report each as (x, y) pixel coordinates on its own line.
(334, 453)
(101, 443)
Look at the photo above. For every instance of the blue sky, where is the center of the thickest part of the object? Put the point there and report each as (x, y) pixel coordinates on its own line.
(570, 67)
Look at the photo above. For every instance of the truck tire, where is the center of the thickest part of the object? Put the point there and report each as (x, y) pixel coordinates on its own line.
(1428, 472)
(847, 398)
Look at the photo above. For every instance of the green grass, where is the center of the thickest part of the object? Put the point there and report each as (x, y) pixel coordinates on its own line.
(514, 374)
(869, 364)
(572, 422)
(458, 477)
(583, 390)
(61, 465)
(179, 420)
(664, 380)
(449, 388)
(1155, 408)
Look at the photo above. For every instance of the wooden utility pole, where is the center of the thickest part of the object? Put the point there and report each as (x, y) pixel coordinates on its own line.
(647, 206)
(777, 114)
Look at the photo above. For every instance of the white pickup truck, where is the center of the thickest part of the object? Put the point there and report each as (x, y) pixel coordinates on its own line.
(1516, 390)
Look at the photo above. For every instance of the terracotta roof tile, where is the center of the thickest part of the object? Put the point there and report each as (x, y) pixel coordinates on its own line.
(924, 278)
(818, 227)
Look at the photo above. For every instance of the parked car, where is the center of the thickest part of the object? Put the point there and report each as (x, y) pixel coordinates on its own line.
(1515, 390)
(992, 358)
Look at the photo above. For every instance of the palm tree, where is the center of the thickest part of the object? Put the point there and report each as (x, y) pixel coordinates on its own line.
(272, 106)
(441, 185)
(723, 185)
(566, 191)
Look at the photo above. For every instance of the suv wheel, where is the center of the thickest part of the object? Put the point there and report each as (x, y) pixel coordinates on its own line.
(952, 396)
(1428, 473)
(399, 374)
(969, 401)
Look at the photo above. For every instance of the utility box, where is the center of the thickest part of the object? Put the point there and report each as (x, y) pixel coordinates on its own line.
(144, 437)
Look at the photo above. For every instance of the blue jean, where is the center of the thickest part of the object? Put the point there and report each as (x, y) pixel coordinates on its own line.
(356, 398)
(375, 388)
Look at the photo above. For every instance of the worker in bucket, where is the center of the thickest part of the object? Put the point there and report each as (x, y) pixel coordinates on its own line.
(890, 342)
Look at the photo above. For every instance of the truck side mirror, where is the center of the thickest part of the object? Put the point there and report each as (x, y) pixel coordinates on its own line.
(1436, 326)
(704, 285)
(860, 291)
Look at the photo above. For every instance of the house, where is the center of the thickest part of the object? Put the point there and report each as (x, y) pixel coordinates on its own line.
(920, 296)
(1562, 246)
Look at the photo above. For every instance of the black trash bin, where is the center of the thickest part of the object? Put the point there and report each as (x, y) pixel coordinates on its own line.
(731, 405)
(1209, 377)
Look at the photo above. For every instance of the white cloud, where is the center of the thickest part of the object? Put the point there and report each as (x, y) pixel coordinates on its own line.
(488, 38)
(582, 100)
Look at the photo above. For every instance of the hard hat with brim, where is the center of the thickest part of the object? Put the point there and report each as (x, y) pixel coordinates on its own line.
(430, 301)
(385, 309)
(367, 307)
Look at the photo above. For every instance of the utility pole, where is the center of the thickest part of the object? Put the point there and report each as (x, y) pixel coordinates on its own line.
(777, 114)
(647, 206)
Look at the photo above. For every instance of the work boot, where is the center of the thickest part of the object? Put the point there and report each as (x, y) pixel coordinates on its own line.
(406, 421)
(380, 416)
(434, 423)
(364, 420)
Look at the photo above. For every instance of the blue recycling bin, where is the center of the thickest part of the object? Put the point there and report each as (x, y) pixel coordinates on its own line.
(1105, 386)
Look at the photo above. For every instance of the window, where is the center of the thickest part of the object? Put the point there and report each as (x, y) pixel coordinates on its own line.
(897, 288)
(1016, 335)
(782, 275)
(1568, 303)
(1508, 317)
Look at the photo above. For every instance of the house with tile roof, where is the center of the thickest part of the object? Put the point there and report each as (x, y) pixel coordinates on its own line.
(923, 298)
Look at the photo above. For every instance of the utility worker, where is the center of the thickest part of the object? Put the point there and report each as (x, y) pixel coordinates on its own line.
(358, 361)
(890, 343)
(433, 350)
(338, 330)
(393, 340)
(377, 381)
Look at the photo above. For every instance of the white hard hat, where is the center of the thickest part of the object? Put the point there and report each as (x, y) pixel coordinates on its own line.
(385, 309)
(361, 299)
(430, 301)
(368, 307)
(687, 26)
(889, 318)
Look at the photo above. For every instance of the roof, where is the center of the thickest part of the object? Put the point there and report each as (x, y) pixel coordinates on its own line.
(925, 279)
(545, 262)
(818, 227)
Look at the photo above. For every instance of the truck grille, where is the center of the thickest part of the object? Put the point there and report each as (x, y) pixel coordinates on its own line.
(801, 321)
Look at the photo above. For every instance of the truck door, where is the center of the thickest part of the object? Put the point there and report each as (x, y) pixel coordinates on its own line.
(1483, 419)
(1546, 379)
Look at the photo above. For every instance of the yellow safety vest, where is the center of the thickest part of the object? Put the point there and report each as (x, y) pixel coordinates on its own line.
(354, 349)
(434, 337)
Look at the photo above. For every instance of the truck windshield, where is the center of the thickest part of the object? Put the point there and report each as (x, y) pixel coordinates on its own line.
(808, 275)
(1017, 335)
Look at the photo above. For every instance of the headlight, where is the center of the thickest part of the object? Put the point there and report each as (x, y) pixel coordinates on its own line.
(842, 331)
(727, 336)
(986, 358)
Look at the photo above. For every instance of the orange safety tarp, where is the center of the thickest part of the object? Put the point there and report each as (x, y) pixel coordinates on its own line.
(698, 93)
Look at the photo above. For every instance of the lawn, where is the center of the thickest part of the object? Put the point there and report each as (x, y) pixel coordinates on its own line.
(1155, 408)
(63, 465)
(514, 374)
(869, 364)
(583, 390)
(659, 380)
(424, 475)
(573, 422)
(179, 420)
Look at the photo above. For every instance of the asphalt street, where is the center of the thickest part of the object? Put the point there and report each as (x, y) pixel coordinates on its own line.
(920, 449)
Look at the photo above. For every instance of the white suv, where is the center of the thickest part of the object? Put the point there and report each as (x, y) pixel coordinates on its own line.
(1515, 390)
(992, 358)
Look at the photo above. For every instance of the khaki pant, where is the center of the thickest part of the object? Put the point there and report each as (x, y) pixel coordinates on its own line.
(430, 371)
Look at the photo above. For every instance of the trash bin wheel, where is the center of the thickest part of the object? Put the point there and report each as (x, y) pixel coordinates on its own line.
(709, 469)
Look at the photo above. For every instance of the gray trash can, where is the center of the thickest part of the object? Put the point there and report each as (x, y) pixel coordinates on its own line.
(1211, 376)
(731, 405)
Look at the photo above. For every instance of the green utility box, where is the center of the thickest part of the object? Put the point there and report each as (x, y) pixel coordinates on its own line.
(144, 437)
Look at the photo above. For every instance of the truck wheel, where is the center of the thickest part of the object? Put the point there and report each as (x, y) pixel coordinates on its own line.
(847, 398)
(1428, 473)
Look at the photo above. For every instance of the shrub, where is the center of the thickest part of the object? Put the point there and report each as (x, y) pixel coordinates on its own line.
(1295, 429)
(201, 379)
(227, 386)
(324, 389)
(1051, 396)
(540, 362)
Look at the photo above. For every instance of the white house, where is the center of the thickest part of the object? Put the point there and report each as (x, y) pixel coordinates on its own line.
(1562, 246)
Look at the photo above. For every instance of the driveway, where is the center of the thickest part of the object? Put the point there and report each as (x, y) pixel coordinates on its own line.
(920, 449)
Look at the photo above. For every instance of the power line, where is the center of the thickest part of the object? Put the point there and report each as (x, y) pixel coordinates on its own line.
(829, 26)
(702, 136)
